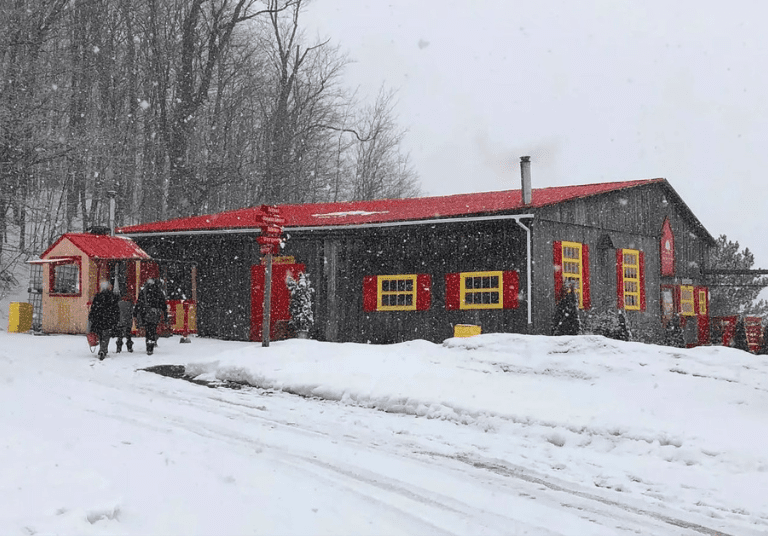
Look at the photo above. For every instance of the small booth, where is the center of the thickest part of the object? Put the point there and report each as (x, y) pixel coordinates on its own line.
(72, 268)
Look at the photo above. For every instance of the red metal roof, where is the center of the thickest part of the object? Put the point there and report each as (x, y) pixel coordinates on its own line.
(387, 210)
(102, 246)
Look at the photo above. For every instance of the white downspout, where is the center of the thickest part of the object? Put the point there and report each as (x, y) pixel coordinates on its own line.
(528, 269)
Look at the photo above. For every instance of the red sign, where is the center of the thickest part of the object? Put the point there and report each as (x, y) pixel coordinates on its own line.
(272, 220)
(267, 249)
(268, 230)
(271, 240)
(271, 210)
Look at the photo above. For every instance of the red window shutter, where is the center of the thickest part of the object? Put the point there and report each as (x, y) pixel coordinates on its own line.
(557, 261)
(678, 305)
(453, 291)
(511, 282)
(620, 278)
(585, 276)
(696, 300)
(423, 292)
(370, 292)
(641, 275)
(52, 278)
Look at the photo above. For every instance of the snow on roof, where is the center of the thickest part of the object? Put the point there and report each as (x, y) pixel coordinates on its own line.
(387, 210)
(102, 246)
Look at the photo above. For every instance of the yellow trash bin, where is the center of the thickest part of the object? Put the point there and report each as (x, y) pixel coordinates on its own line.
(19, 317)
(466, 330)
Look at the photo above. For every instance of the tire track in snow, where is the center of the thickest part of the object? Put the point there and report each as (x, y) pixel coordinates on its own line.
(522, 475)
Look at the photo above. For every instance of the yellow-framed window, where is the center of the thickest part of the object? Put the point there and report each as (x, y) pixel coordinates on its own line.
(686, 300)
(631, 267)
(481, 290)
(396, 292)
(702, 301)
(572, 268)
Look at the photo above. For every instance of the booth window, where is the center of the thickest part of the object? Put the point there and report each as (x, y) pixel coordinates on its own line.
(65, 279)
(401, 292)
(686, 300)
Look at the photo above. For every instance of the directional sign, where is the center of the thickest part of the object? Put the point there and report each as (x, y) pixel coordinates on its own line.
(268, 240)
(269, 230)
(268, 249)
(272, 220)
(271, 210)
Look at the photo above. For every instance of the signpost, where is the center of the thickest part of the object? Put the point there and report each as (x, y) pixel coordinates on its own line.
(269, 240)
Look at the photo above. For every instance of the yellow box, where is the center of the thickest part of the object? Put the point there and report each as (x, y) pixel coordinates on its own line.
(19, 317)
(466, 330)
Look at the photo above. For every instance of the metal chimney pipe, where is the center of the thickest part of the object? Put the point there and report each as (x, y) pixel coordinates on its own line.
(111, 194)
(525, 175)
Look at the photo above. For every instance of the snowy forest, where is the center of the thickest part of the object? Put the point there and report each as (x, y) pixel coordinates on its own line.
(181, 107)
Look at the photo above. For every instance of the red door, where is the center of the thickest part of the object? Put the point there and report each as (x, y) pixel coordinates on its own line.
(280, 312)
(701, 302)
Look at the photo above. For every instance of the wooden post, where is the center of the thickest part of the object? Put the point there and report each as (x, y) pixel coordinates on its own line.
(265, 323)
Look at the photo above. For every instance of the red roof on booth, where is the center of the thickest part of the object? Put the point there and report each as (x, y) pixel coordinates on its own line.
(102, 246)
(387, 210)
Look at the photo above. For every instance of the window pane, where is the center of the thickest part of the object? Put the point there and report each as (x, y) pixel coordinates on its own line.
(468, 282)
(494, 297)
(409, 285)
(409, 299)
(385, 285)
(66, 279)
(495, 281)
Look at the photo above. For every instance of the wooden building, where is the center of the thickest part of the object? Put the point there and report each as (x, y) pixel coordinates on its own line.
(393, 270)
(73, 266)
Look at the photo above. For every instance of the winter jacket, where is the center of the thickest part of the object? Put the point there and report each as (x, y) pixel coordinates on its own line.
(151, 307)
(104, 313)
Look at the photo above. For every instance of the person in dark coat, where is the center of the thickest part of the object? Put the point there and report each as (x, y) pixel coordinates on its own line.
(103, 316)
(151, 308)
(125, 324)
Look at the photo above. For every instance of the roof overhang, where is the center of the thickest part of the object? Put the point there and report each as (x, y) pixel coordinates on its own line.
(55, 260)
(257, 230)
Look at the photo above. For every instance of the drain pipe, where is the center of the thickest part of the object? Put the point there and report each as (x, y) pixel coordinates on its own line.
(528, 270)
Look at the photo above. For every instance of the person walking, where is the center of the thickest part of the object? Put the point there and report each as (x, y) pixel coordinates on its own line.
(151, 308)
(103, 316)
(125, 324)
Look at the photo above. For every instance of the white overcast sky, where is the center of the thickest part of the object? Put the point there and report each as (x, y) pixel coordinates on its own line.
(593, 90)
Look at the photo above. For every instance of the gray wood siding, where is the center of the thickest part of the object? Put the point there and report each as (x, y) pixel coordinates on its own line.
(427, 249)
(632, 219)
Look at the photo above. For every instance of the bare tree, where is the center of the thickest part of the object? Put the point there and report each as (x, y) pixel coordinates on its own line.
(381, 169)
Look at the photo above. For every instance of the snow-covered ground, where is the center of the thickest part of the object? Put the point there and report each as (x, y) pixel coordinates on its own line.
(495, 434)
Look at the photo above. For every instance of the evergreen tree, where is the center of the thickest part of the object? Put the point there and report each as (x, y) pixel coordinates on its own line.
(764, 343)
(673, 333)
(740, 337)
(300, 306)
(731, 293)
(622, 331)
(566, 321)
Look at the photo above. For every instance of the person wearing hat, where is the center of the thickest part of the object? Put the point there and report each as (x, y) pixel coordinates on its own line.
(103, 316)
(151, 308)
